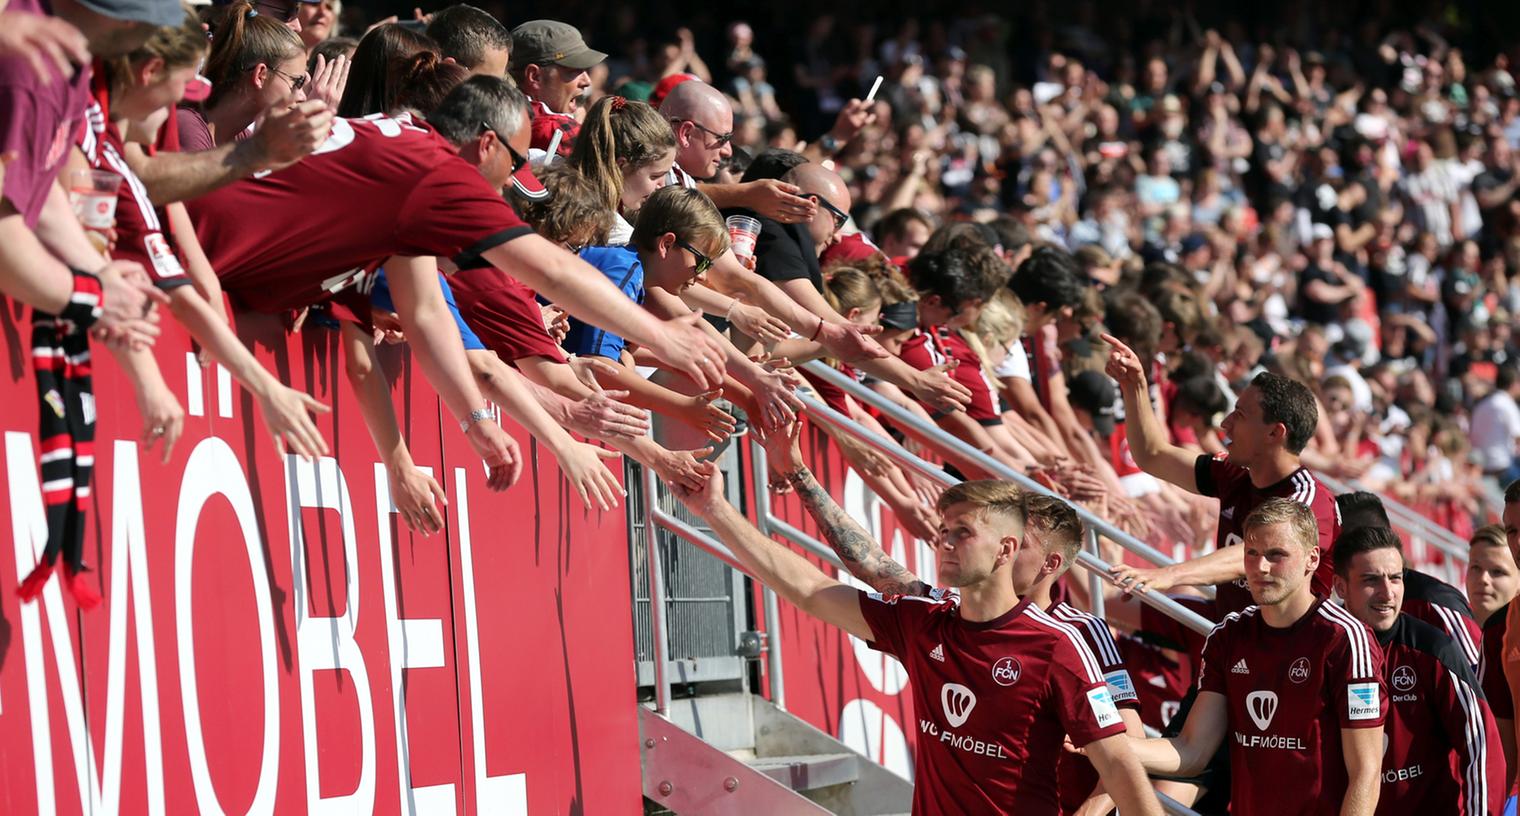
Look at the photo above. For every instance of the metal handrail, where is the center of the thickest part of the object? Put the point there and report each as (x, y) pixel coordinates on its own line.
(1095, 565)
(942, 439)
(1409, 520)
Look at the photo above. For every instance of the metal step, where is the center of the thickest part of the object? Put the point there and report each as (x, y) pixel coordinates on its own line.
(810, 771)
(689, 777)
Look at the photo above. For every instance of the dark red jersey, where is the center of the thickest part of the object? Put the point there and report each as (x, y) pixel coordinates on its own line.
(1076, 776)
(503, 314)
(995, 700)
(934, 346)
(377, 187)
(1491, 666)
(141, 232)
(1289, 692)
(1162, 656)
(1441, 605)
(1443, 755)
(1231, 484)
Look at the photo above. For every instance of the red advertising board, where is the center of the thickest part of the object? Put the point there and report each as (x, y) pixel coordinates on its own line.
(274, 640)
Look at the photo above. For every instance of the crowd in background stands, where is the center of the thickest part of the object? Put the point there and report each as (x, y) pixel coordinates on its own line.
(955, 222)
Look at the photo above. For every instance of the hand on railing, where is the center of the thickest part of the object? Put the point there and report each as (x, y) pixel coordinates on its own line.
(1136, 579)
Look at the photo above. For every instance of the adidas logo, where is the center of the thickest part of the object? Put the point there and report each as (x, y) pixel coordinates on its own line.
(938, 653)
(1240, 668)
(1227, 513)
(1158, 681)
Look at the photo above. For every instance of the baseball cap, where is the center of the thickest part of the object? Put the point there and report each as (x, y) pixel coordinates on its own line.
(551, 42)
(161, 13)
(527, 185)
(198, 89)
(1095, 393)
(848, 249)
(668, 84)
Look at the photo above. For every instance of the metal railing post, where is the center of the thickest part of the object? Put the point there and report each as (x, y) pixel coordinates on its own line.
(759, 472)
(897, 453)
(659, 635)
(1410, 520)
(908, 420)
(1094, 580)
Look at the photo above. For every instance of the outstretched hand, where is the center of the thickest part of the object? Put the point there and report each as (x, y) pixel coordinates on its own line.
(707, 496)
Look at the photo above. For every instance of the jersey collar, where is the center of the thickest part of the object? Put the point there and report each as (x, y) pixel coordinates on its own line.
(1000, 620)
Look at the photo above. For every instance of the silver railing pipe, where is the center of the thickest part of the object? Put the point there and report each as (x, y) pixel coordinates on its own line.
(763, 520)
(960, 448)
(1409, 520)
(1094, 579)
(660, 635)
(817, 411)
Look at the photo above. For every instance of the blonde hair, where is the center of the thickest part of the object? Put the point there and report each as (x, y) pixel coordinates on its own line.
(999, 324)
(686, 212)
(619, 133)
(846, 288)
(242, 40)
(1298, 517)
(1491, 535)
(178, 46)
(987, 497)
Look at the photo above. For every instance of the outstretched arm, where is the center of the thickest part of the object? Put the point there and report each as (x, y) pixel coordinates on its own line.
(1149, 442)
(793, 577)
(861, 553)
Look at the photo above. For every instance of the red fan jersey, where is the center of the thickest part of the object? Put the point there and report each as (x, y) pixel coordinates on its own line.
(377, 187)
(1231, 484)
(995, 699)
(1289, 692)
(142, 234)
(1076, 775)
(503, 314)
(927, 348)
(1443, 755)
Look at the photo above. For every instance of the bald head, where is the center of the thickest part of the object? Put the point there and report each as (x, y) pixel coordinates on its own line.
(815, 179)
(833, 198)
(696, 100)
(700, 116)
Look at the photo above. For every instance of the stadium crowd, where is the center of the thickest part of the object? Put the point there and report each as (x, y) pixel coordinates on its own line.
(1151, 264)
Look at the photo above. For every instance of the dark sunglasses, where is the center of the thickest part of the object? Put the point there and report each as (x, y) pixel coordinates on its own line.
(297, 81)
(704, 263)
(280, 11)
(518, 159)
(840, 216)
(719, 139)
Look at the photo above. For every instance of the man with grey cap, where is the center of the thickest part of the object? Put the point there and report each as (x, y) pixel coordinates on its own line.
(549, 61)
(45, 259)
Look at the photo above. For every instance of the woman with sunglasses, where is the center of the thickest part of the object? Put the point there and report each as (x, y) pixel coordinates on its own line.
(256, 63)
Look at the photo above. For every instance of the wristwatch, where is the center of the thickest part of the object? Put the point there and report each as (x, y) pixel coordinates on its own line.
(828, 144)
(477, 415)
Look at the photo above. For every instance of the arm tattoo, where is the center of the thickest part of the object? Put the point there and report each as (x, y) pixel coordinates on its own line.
(864, 558)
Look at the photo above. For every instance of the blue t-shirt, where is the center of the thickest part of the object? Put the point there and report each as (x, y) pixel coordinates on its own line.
(380, 298)
(621, 266)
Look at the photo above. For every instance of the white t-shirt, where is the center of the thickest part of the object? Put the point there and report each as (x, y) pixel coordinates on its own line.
(1015, 362)
(1495, 427)
(621, 233)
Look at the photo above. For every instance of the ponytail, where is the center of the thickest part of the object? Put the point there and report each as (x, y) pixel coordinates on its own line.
(423, 81)
(242, 39)
(619, 131)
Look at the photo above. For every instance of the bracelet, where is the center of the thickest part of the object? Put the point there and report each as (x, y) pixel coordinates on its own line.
(86, 302)
(817, 331)
(476, 416)
(728, 315)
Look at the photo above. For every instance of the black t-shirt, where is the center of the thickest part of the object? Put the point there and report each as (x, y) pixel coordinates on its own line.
(783, 252)
(1313, 311)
